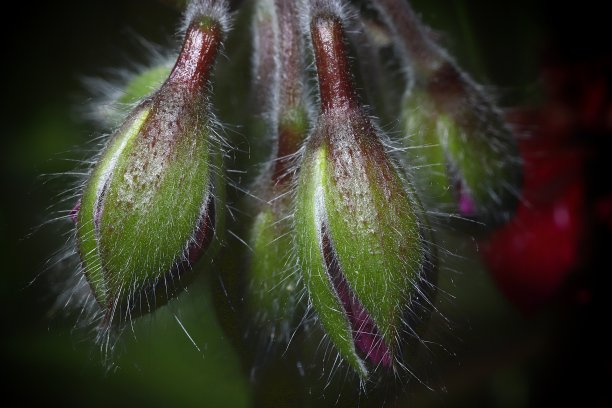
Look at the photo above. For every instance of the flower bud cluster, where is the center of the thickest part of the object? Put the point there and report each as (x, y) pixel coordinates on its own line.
(337, 221)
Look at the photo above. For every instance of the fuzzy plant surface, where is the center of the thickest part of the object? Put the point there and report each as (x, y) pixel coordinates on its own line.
(360, 228)
(148, 210)
(465, 153)
(274, 280)
(335, 224)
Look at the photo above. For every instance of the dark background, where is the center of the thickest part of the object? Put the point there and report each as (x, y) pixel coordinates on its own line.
(498, 356)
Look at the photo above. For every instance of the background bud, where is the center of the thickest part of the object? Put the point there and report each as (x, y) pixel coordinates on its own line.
(464, 156)
(151, 206)
(360, 228)
(139, 86)
(458, 141)
(273, 279)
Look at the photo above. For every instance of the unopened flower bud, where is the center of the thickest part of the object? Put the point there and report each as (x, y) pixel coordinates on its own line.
(151, 205)
(274, 282)
(465, 157)
(360, 229)
(465, 154)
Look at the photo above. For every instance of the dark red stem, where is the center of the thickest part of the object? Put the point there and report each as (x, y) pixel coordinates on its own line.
(197, 56)
(291, 130)
(336, 84)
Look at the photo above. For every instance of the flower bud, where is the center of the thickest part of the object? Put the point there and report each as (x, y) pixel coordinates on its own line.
(151, 206)
(274, 282)
(360, 229)
(466, 157)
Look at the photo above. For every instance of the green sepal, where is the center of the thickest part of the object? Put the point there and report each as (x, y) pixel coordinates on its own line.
(351, 189)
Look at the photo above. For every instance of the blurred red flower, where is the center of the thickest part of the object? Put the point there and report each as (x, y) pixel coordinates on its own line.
(533, 255)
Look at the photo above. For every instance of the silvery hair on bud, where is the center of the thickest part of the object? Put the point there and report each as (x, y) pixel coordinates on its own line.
(329, 7)
(311, 8)
(217, 10)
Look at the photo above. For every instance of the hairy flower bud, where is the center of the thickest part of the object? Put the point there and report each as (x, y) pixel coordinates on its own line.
(151, 205)
(360, 229)
(465, 154)
(274, 282)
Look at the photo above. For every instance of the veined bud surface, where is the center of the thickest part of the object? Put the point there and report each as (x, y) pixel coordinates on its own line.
(151, 206)
(360, 229)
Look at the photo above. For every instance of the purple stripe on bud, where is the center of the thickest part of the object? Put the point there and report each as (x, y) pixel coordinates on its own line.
(366, 336)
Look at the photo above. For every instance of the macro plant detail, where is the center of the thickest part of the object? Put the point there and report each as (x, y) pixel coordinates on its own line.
(361, 233)
(148, 210)
(337, 220)
(467, 157)
(278, 66)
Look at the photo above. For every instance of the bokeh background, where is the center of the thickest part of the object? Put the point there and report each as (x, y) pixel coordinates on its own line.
(527, 309)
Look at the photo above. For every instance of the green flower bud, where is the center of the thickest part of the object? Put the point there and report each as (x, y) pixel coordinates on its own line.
(273, 287)
(152, 203)
(465, 157)
(274, 282)
(464, 154)
(360, 229)
(273, 279)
